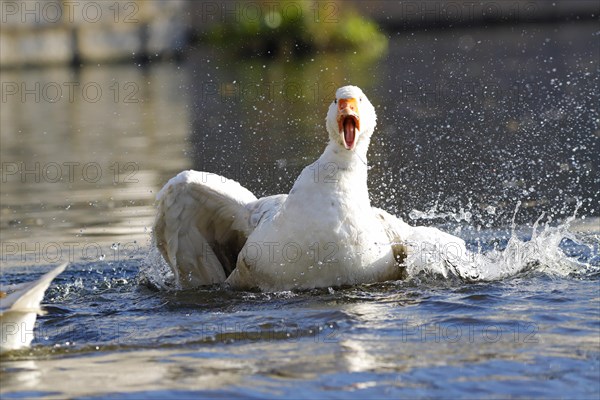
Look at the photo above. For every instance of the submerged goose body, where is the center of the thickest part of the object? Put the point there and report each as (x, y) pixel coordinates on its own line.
(324, 233)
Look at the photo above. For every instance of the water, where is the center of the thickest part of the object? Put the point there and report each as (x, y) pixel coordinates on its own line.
(520, 318)
(533, 335)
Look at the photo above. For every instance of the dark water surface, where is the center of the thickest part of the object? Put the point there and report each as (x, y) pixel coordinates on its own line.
(471, 124)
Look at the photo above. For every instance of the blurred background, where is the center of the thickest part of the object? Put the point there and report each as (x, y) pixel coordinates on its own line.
(482, 105)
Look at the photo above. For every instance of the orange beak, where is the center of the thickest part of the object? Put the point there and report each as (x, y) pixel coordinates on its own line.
(348, 121)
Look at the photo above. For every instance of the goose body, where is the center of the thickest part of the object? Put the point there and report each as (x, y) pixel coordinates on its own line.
(323, 233)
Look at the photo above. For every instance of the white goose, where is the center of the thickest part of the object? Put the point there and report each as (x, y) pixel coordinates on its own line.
(324, 233)
(19, 310)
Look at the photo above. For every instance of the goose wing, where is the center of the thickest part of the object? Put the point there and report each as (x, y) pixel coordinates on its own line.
(26, 297)
(421, 246)
(397, 232)
(19, 309)
(202, 223)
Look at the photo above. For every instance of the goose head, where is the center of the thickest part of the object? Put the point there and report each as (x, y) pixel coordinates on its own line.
(351, 118)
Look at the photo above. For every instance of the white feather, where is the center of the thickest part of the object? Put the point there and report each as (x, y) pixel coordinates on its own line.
(200, 215)
(18, 311)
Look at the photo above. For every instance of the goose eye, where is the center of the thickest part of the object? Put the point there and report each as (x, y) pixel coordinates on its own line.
(360, 99)
(335, 101)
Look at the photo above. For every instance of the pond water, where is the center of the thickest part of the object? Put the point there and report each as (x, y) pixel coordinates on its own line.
(480, 132)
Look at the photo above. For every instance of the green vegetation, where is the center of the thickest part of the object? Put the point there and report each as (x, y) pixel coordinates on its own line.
(297, 28)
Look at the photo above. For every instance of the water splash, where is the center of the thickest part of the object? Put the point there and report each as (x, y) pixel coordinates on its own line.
(543, 252)
(155, 272)
(434, 213)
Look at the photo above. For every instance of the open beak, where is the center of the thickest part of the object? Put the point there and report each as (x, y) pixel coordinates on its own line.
(348, 121)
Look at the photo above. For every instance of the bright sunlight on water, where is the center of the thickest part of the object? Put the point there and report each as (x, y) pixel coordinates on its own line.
(490, 134)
